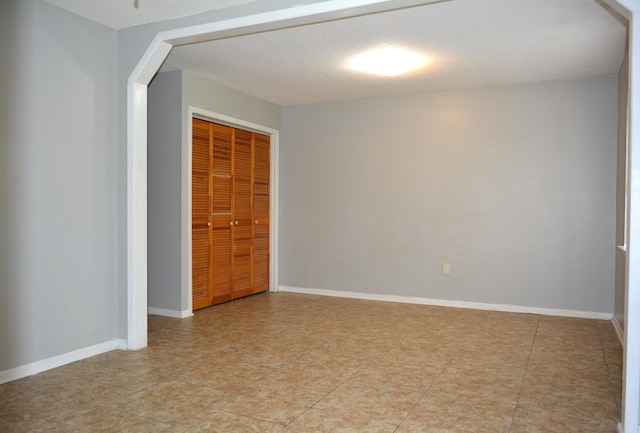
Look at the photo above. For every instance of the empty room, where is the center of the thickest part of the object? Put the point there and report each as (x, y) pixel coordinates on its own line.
(319, 216)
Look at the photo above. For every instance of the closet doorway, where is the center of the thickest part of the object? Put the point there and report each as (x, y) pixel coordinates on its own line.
(230, 218)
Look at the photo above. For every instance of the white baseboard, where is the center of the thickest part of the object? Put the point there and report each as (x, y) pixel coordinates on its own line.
(618, 328)
(450, 303)
(122, 344)
(60, 360)
(169, 313)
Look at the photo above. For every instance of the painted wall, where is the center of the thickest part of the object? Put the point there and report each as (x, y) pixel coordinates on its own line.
(171, 94)
(58, 201)
(514, 186)
(164, 155)
(621, 191)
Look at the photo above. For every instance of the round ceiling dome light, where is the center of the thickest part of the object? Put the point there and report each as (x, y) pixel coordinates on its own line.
(388, 61)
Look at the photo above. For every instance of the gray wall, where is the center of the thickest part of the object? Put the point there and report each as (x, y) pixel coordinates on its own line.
(58, 202)
(170, 96)
(514, 186)
(621, 190)
(164, 155)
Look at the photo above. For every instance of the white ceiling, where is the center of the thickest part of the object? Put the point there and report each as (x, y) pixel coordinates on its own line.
(472, 43)
(120, 14)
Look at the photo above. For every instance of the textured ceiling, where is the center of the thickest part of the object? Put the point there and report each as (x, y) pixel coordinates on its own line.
(471, 43)
(119, 14)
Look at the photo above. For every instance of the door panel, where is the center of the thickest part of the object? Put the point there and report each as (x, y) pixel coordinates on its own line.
(200, 205)
(221, 212)
(261, 217)
(242, 213)
(221, 272)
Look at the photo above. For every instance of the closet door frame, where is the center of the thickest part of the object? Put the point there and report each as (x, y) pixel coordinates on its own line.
(187, 270)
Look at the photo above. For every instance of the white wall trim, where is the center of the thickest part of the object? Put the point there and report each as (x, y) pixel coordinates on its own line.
(60, 360)
(152, 311)
(137, 267)
(451, 303)
(274, 192)
(618, 329)
(631, 365)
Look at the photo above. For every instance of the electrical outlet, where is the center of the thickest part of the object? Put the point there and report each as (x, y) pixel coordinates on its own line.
(446, 269)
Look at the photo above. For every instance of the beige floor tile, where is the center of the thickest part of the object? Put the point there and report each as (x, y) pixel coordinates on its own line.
(510, 319)
(526, 421)
(396, 375)
(612, 354)
(104, 420)
(389, 405)
(348, 345)
(215, 421)
(490, 404)
(320, 378)
(435, 351)
(569, 394)
(131, 378)
(25, 422)
(513, 351)
(270, 355)
(56, 380)
(345, 355)
(168, 401)
(341, 364)
(318, 421)
(474, 389)
(308, 339)
(338, 365)
(279, 403)
(68, 399)
(475, 375)
(224, 376)
(569, 341)
(12, 391)
(593, 361)
(560, 324)
(562, 373)
(423, 422)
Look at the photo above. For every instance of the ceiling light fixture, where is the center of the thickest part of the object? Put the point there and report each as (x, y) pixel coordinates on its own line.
(387, 61)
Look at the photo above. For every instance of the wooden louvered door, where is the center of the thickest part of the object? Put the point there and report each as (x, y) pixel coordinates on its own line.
(222, 213)
(242, 214)
(200, 212)
(230, 213)
(261, 201)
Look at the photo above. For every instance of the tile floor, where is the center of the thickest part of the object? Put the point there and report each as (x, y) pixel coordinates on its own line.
(298, 363)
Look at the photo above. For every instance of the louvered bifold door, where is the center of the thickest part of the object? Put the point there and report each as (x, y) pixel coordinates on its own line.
(230, 213)
(242, 213)
(222, 213)
(261, 217)
(200, 209)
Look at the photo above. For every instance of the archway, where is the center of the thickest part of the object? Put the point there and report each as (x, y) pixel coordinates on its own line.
(314, 13)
